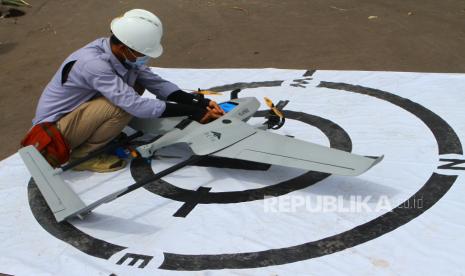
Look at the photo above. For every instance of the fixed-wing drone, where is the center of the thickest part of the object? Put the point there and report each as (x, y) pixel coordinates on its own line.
(229, 137)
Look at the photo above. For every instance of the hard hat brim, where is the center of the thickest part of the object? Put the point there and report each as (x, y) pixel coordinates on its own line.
(155, 53)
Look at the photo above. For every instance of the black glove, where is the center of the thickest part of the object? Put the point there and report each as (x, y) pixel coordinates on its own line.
(188, 98)
(193, 112)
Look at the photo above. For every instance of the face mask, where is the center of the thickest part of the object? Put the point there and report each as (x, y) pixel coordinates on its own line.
(138, 62)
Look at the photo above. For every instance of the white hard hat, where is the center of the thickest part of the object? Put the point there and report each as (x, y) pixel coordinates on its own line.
(140, 30)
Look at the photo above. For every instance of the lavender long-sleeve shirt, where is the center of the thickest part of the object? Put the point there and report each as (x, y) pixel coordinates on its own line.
(98, 71)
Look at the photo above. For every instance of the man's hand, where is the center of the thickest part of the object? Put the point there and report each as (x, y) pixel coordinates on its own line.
(213, 112)
(214, 107)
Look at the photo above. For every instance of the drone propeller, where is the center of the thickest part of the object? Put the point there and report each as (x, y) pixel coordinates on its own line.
(203, 92)
(275, 117)
(271, 105)
(207, 92)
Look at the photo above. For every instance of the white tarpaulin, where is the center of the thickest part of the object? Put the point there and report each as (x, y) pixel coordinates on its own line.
(404, 216)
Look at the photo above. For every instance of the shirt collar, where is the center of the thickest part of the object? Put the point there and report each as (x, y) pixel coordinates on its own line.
(116, 64)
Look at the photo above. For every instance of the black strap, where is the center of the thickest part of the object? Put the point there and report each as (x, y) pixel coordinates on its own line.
(65, 71)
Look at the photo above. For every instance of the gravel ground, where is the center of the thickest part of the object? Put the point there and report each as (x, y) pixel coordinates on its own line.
(396, 35)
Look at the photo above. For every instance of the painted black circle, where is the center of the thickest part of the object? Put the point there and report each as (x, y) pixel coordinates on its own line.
(338, 138)
(431, 192)
(226, 121)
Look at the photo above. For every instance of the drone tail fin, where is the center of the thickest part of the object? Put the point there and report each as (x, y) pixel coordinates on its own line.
(60, 197)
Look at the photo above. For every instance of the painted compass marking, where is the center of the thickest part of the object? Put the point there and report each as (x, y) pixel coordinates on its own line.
(431, 192)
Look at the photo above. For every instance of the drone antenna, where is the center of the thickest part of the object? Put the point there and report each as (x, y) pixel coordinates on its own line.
(234, 94)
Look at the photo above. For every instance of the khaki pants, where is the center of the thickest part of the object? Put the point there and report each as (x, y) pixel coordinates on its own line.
(92, 125)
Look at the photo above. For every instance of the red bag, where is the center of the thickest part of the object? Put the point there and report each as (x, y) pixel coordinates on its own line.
(47, 139)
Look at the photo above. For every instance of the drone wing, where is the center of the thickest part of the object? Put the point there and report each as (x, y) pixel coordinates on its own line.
(275, 149)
